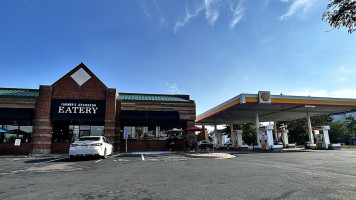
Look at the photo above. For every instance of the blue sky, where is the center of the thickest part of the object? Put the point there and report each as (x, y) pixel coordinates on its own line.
(212, 50)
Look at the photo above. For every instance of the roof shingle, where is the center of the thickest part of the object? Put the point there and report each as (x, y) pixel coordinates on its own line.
(18, 93)
(151, 97)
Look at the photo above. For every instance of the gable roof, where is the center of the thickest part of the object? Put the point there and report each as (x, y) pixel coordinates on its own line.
(85, 68)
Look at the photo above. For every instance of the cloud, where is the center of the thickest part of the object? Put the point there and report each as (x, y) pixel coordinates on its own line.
(187, 17)
(265, 3)
(173, 88)
(297, 6)
(163, 22)
(211, 14)
(211, 11)
(238, 13)
(343, 93)
(307, 92)
(264, 41)
(145, 10)
(346, 70)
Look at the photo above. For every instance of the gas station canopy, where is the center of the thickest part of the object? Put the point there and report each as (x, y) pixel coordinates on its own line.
(244, 108)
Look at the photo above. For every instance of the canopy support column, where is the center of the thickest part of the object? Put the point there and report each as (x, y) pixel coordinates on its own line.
(311, 137)
(275, 131)
(233, 136)
(258, 130)
(217, 137)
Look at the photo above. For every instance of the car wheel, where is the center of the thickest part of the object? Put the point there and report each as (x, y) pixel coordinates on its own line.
(104, 156)
(71, 157)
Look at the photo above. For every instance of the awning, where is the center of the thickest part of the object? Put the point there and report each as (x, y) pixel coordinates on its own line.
(17, 114)
(150, 116)
(243, 108)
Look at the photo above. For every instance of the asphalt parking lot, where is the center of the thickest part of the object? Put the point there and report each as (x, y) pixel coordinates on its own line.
(318, 174)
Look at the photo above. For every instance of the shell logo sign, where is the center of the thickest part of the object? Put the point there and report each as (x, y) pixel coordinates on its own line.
(264, 97)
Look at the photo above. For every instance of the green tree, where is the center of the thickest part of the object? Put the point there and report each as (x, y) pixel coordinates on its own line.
(341, 13)
(298, 129)
(338, 133)
(199, 137)
(249, 135)
(351, 125)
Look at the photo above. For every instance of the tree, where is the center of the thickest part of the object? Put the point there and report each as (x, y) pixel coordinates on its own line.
(298, 129)
(338, 133)
(341, 13)
(249, 133)
(351, 125)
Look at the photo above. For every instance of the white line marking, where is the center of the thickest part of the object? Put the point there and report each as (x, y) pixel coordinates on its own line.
(98, 160)
(143, 158)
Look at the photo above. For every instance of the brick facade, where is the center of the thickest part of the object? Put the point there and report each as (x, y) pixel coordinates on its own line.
(68, 88)
(42, 125)
(89, 88)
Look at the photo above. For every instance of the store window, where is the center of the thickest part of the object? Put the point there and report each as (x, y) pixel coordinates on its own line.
(147, 132)
(70, 133)
(16, 132)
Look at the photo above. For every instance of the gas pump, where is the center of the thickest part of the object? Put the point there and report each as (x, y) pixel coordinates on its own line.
(283, 133)
(266, 139)
(240, 143)
(322, 140)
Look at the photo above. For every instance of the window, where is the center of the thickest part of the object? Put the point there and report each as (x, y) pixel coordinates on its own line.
(69, 133)
(89, 139)
(17, 132)
(147, 132)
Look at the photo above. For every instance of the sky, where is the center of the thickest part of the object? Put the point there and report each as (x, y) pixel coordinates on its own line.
(212, 50)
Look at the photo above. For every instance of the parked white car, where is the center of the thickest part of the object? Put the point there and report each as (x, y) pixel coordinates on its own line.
(91, 146)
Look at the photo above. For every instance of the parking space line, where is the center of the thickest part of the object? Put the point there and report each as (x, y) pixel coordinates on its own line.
(143, 158)
(98, 160)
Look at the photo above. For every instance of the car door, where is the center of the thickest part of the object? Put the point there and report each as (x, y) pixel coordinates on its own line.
(108, 146)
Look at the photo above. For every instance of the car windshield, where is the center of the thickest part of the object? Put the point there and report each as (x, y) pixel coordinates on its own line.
(89, 139)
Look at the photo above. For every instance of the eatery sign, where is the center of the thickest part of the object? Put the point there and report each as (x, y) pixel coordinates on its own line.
(74, 110)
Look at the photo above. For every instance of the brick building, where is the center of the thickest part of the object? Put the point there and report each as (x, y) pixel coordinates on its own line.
(49, 119)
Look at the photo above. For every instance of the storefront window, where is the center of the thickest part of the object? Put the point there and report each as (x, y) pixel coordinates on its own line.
(130, 132)
(9, 138)
(16, 132)
(70, 133)
(96, 130)
(147, 132)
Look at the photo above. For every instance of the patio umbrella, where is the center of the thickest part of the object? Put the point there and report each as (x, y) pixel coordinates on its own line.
(2, 130)
(194, 128)
(203, 132)
(20, 132)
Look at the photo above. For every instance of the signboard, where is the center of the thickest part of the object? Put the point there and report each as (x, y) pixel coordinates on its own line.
(126, 133)
(17, 142)
(77, 110)
(264, 97)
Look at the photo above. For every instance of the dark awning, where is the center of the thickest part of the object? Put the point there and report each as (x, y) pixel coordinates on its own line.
(150, 116)
(16, 114)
